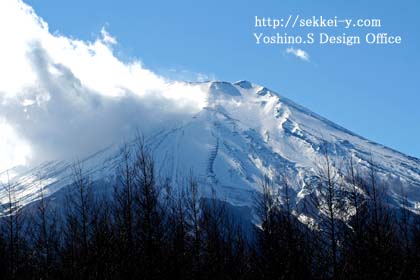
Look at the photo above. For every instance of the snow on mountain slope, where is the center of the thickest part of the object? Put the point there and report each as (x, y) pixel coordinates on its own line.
(245, 132)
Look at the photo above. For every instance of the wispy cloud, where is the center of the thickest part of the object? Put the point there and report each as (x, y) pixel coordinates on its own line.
(186, 75)
(107, 38)
(299, 53)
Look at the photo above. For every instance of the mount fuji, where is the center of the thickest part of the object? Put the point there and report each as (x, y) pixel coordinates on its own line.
(244, 132)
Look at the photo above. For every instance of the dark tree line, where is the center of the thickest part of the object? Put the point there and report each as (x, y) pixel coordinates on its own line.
(148, 229)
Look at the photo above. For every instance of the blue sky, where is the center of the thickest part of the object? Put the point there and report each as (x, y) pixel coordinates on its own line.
(371, 90)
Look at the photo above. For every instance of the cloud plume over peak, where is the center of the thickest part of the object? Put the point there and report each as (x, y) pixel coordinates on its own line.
(62, 97)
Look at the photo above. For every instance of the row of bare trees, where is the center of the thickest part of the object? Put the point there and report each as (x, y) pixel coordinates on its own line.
(144, 228)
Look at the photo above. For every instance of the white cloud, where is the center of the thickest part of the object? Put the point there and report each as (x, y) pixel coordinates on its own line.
(186, 75)
(13, 149)
(298, 53)
(107, 38)
(62, 97)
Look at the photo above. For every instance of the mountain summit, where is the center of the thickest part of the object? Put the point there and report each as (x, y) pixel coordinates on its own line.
(246, 132)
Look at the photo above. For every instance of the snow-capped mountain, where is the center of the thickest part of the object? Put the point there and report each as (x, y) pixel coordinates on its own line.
(246, 131)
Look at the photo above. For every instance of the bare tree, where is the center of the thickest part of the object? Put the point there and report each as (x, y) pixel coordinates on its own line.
(124, 194)
(79, 219)
(330, 204)
(357, 197)
(46, 234)
(14, 226)
(150, 213)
